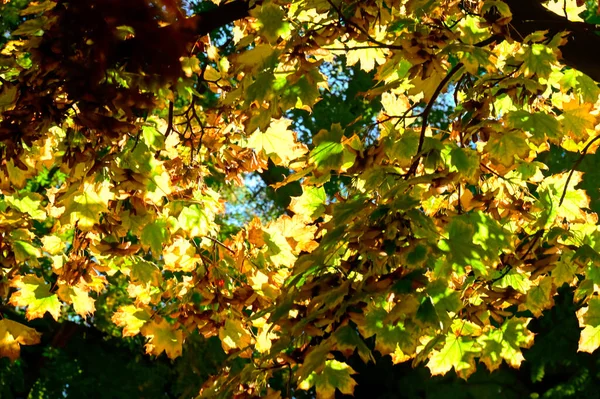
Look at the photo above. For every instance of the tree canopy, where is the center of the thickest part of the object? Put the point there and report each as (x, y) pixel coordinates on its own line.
(275, 195)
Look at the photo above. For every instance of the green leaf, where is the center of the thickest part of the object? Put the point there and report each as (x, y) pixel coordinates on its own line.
(587, 88)
(145, 272)
(314, 360)
(514, 278)
(538, 60)
(458, 353)
(504, 147)
(539, 297)
(8, 95)
(335, 375)
(330, 153)
(194, 221)
(475, 240)
(539, 124)
(34, 293)
(347, 340)
(391, 338)
(310, 204)
(38, 7)
(464, 161)
(29, 203)
(271, 17)
(404, 148)
(505, 343)
(155, 235)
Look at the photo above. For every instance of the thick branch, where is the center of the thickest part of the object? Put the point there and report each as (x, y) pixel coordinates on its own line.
(161, 44)
(205, 22)
(580, 52)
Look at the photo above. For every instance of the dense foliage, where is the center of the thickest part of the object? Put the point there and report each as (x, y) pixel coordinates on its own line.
(277, 197)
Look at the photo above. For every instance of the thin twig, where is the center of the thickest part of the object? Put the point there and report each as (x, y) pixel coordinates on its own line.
(581, 156)
(220, 244)
(362, 30)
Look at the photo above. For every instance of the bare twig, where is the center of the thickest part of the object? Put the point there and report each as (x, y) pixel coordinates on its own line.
(362, 30)
(575, 165)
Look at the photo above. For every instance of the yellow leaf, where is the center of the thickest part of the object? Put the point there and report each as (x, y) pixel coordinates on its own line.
(131, 318)
(76, 295)
(458, 353)
(367, 57)
(34, 293)
(162, 337)
(180, 256)
(577, 119)
(86, 206)
(13, 335)
(277, 142)
(589, 319)
(234, 335)
(52, 244)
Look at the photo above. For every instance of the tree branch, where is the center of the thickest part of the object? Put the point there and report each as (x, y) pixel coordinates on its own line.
(205, 22)
(184, 32)
(579, 52)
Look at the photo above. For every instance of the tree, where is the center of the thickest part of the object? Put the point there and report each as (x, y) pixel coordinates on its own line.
(431, 173)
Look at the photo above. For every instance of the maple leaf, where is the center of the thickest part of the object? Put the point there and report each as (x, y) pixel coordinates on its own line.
(538, 60)
(390, 338)
(85, 208)
(79, 297)
(539, 296)
(29, 203)
(330, 153)
(335, 375)
(154, 235)
(277, 142)
(458, 352)
(505, 343)
(194, 221)
(473, 240)
(34, 293)
(162, 337)
(234, 335)
(347, 340)
(311, 204)
(464, 161)
(131, 318)
(504, 147)
(271, 18)
(573, 204)
(13, 335)
(180, 256)
(143, 272)
(367, 57)
(22, 246)
(539, 124)
(589, 320)
(577, 119)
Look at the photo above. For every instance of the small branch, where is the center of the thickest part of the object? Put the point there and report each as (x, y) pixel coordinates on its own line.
(220, 244)
(575, 165)
(426, 112)
(170, 122)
